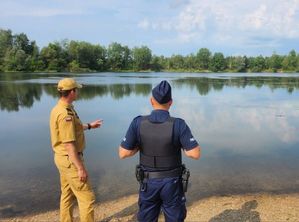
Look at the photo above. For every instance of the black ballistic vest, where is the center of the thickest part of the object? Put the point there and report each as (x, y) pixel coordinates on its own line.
(156, 144)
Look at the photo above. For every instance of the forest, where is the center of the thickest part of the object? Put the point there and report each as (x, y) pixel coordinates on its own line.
(20, 54)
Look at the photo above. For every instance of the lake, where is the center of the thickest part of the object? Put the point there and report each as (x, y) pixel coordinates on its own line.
(246, 124)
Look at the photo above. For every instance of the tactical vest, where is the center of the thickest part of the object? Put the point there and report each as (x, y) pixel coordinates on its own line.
(157, 149)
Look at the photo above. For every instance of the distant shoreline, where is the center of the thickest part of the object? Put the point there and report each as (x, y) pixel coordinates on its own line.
(151, 71)
(257, 207)
(19, 53)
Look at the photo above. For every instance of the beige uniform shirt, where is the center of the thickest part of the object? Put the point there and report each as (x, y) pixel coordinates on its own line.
(65, 126)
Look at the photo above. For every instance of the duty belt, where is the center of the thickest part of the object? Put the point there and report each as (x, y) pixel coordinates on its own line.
(163, 174)
(143, 176)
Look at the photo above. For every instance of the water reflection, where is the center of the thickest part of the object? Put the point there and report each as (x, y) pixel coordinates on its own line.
(17, 94)
(205, 85)
(117, 91)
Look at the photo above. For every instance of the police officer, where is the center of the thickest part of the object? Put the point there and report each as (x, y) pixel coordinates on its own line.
(159, 139)
(68, 143)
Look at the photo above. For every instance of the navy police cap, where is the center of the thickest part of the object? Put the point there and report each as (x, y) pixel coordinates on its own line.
(162, 92)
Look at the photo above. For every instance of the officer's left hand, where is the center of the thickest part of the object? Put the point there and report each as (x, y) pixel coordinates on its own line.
(96, 124)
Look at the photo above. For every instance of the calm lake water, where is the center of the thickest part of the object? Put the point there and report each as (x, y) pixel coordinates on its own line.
(246, 124)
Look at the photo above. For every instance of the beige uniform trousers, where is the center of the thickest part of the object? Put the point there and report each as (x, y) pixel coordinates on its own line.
(72, 188)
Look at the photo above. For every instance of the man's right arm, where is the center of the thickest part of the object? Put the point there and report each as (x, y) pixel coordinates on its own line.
(124, 153)
(193, 153)
(128, 146)
(74, 158)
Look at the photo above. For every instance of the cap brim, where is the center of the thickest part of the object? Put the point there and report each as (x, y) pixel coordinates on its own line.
(79, 86)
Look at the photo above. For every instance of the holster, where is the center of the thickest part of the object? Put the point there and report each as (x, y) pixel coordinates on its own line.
(139, 173)
(185, 177)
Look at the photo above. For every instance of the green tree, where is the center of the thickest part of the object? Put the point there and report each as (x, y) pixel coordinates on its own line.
(257, 64)
(164, 61)
(141, 57)
(290, 62)
(275, 62)
(35, 63)
(21, 42)
(127, 58)
(74, 66)
(218, 62)
(191, 62)
(119, 57)
(22, 55)
(204, 57)
(6, 40)
(85, 56)
(54, 57)
(176, 62)
(239, 64)
(16, 60)
(156, 64)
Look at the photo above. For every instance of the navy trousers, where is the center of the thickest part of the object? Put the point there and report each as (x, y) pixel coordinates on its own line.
(162, 194)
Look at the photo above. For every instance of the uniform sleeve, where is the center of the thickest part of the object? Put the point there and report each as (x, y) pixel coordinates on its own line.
(186, 138)
(66, 127)
(130, 141)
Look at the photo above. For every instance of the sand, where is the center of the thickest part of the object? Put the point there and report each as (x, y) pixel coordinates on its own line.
(235, 208)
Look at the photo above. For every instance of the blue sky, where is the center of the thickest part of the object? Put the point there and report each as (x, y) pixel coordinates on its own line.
(234, 27)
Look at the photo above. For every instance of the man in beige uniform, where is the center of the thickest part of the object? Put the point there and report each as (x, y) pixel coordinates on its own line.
(68, 143)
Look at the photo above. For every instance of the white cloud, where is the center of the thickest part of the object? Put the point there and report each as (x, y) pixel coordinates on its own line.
(190, 20)
(186, 37)
(257, 19)
(237, 21)
(178, 3)
(144, 24)
(278, 18)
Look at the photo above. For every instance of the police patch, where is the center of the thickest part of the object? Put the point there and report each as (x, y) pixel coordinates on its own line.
(67, 119)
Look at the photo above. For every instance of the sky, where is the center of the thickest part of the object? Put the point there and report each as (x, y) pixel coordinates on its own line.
(167, 27)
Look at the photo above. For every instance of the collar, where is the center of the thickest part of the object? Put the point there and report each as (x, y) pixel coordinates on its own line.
(64, 104)
(159, 115)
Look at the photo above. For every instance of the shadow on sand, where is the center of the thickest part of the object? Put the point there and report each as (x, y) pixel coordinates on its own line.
(130, 210)
(245, 214)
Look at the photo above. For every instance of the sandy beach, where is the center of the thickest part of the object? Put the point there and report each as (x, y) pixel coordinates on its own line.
(235, 208)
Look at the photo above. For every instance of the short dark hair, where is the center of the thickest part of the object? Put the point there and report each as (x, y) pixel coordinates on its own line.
(64, 93)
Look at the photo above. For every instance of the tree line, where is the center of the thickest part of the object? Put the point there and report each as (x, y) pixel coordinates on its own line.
(19, 54)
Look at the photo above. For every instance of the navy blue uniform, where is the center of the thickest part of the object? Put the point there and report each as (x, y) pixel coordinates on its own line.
(165, 193)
